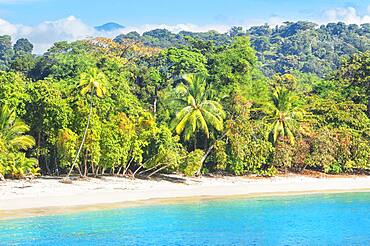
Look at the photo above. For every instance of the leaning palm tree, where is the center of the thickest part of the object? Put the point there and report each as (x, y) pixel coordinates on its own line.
(12, 133)
(93, 83)
(199, 113)
(284, 115)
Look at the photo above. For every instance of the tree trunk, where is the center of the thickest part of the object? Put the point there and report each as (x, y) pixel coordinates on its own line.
(204, 158)
(47, 166)
(93, 168)
(38, 147)
(97, 172)
(138, 169)
(150, 169)
(127, 167)
(119, 170)
(85, 133)
(85, 165)
(155, 106)
(155, 101)
(79, 170)
(156, 171)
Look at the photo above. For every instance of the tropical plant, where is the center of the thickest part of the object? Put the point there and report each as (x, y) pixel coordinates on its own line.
(12, 141)
(92, 82)
(199, 112)
(283, 115)
(12, 132)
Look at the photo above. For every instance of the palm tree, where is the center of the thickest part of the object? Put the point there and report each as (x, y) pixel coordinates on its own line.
(284, 115)
(199, 113)
(92, 82)
(12, 133)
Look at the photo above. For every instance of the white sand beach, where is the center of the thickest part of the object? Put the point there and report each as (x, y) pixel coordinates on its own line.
(17, 195)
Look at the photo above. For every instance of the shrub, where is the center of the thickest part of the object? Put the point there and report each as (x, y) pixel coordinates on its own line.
(193, 162)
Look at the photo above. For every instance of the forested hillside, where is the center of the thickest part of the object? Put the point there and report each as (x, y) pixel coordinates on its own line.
(302, 46)
(190, 103)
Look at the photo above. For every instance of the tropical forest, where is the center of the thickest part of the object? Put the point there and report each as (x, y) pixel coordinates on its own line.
(258, 101)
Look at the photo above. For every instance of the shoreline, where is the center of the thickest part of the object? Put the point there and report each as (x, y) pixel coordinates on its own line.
(19, 199)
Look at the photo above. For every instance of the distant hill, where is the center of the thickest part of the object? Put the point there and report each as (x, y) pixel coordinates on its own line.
(108, 27)
(302, 46)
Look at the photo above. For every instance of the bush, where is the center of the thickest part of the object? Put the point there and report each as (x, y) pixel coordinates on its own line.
(301, 153)
(283, 155)
(339, 150)
(360, 154)
(219, 155)
(193, 162)
(17, 165)
(250, 156)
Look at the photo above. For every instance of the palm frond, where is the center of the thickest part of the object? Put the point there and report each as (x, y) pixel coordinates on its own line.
(22, 142)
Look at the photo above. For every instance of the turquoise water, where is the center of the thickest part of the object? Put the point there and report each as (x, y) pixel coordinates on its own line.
(332, 219)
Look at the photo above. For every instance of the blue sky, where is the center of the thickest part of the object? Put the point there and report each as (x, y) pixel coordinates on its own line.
(138, 12)
(44, 22)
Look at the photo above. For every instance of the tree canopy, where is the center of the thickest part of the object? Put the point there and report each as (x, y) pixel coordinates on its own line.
(256, 101)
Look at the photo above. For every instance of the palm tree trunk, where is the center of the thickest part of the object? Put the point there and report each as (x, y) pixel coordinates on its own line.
(209, 150)
(204, 158)
(84, 136)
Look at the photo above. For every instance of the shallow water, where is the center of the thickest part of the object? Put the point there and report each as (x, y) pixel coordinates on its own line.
(332, 219)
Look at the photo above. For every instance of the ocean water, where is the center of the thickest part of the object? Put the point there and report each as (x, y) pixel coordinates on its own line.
(331, 219)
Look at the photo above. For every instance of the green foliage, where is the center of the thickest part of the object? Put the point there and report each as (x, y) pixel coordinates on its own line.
(13, 91)
(17, 165)
(292, 46)
(182, 61)
(220, 155)
(67, 144)
(233, 65)
(12, 130)
(360, 155)
(193, 162)
(284, 115)
(339, 150)
(123, 107)
(283, 155)
(354, 74)
(13, 142)
(164, 150)
(199, 113)
(247, 151)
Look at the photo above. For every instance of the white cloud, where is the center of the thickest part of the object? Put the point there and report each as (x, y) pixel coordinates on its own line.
(46, 33)
(347, 15)
(7, 28)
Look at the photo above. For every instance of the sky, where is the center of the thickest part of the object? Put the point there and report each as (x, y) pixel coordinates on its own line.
(47, 21)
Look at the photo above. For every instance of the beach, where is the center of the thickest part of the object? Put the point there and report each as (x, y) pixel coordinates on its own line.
(49, 194)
